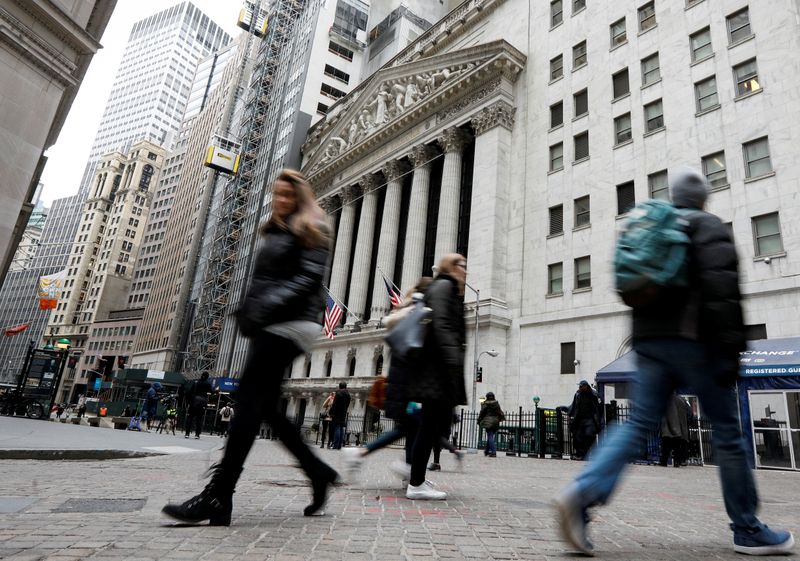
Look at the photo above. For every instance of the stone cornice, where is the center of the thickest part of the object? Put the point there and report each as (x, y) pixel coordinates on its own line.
(62, 25)
(499, 114)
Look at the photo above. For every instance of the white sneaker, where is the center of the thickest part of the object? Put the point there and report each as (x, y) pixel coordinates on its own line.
(402, 469)
(424, 492)
(352, 461)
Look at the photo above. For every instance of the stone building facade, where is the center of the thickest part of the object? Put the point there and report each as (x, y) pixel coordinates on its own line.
(520, 134)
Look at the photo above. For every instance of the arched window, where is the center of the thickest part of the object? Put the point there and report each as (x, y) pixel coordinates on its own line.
(379, 366)
(308, 368)
(147, 175)
(352, 367)
(328, 366)
(288, 372)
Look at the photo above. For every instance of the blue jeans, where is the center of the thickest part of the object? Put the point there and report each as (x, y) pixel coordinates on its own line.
(338, 435)
(665, 364)
(491, 442)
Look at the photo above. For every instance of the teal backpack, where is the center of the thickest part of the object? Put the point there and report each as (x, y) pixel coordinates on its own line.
(652, 252)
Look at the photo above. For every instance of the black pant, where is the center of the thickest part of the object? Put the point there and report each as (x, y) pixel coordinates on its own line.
(585, 432)
(195, 415)
(325, 430)
(436, 418)
(258, 399)
(675, 445)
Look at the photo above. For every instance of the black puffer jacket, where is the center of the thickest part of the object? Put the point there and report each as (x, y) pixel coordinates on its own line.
(440, 376)
(710, 309)
(286, 284)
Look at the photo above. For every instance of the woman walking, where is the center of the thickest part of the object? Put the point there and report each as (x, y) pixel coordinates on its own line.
(282, 316)
(489, 419)
(439, 382)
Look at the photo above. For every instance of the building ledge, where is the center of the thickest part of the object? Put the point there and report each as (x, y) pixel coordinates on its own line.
(742, 40)
(759, 177)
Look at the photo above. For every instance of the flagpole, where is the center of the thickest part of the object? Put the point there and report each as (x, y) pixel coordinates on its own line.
(400, 292)
(341, 305)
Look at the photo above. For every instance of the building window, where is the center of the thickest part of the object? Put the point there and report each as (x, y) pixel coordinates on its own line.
(555, 278)
(647, 16)
(767, 235)
(343, 52)
(337, 74)
(556, 13)
(556, 220)
(556, 114)
(332, 92)
(577, 6)
(739, 26)
(579, 55)
(626, 198)
(618, 33)
(580, 103)
(557, 156)
(568, 358)
(746, 77)
(581, 146)
(622, 128)
(756, 158)
(556, 67)
(651, 70)
(658, 184)
(322, 109)
(583, 272)
(328, 368)
(705, 93)
(755, 331)
(582, 211)
(653, 116)
(700, 42)
(308, 368)
(714, 170)
(621, 83)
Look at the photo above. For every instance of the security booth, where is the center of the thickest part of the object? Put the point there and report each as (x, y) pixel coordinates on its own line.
(129, 386)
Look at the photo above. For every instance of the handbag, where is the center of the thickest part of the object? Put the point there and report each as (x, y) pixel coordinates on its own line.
(407, 338)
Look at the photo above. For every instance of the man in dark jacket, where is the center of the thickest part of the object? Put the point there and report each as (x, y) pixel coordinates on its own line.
(691, 338)
(338, 413)
(675, 432)
(197, 399)
(584, 414)
(489, 419)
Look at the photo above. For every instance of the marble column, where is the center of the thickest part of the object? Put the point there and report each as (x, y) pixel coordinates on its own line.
(344, 240)
(359, 280)
(452, 142)
(387, 245)
(416, 226)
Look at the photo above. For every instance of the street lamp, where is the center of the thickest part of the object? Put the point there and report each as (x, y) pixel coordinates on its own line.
(63, 346)
(492, 353)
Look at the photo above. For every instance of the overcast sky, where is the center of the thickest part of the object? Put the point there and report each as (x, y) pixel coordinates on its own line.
(67, 157)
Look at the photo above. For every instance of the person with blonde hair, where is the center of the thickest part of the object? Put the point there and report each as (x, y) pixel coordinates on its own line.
(439, 378)
(281, 315)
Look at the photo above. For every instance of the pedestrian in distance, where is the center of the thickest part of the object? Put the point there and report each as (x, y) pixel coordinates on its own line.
(687, 332)
(282, 316)
(396, 404)
(489, 419)
(150, 408)
(675, 432)
(81, 405)
(584, 414)
(197, 400)
(439, 377)
(325, 421)
(225, 416)
(338, 413)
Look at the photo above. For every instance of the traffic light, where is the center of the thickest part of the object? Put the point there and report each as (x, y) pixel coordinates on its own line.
(479, 375)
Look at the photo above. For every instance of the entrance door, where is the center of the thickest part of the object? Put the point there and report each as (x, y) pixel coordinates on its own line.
(776, 428)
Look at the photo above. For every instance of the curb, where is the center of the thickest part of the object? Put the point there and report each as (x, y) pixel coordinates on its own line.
(74, 454)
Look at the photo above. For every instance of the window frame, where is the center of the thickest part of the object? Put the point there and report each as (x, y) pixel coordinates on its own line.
(694, 50)
(738, 81)
(657, 175)
(560, 105)
(568, 357)
(731, 31)
(647, 126)
(580, 60)
(646, 74)
(560, 69)
(582, 215)
(584, 93)
(578, 6)
(748, 162)
(614, 39)
(553, 219)
(551, 278)
(704, 163)
(756, 238)
(552, 168)
(554, 14)
(578, 262)
(641, 11)
(578, 138)
(617, 130)
(698, 98)
(614, 76)
(625, 185)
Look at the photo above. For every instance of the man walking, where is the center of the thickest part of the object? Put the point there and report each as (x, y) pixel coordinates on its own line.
(338, 413)
(225, 416)
(584, 414)
(197, 399)
(689, 337)
(675, 432)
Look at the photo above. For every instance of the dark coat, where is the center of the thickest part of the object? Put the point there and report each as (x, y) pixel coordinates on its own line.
(198, 392)
(341, 403)
(710, 309)
(491, 415)
(440, 374)
(286, 284)
(398, 389)
(586, 406)
(675, 423)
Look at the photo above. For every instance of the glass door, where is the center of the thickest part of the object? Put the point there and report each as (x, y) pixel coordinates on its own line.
(776, 428)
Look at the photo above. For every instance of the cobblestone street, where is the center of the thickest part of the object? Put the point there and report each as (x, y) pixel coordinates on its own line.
(497, 509)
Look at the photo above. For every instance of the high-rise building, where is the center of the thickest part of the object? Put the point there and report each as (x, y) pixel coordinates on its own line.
(105, 248)
(43, 58)
(521, 136)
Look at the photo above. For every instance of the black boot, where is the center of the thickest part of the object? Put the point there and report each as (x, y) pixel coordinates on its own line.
(325, 477)
(214, 504)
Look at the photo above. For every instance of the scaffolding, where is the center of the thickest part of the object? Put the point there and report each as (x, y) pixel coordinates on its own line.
(217, 286)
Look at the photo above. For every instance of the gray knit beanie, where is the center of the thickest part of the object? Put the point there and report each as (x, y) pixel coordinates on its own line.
(688, 188)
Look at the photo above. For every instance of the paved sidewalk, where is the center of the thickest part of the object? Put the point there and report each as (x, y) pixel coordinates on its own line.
(497, 509)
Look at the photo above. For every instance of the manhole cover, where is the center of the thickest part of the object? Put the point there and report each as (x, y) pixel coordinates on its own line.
(102, 505)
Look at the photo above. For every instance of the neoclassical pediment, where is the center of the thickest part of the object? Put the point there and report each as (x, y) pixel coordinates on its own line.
(396, 97)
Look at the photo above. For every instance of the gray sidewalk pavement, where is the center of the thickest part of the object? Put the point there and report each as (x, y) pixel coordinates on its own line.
(497, 509)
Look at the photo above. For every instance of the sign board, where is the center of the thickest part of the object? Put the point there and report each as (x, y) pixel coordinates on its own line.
(155, 374)
(225, 384)
(97, 383)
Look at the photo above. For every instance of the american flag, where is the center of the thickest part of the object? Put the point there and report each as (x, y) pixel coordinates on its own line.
(333, 314)
(394, 296)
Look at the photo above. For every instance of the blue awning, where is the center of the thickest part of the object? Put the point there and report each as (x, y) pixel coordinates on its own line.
(764, 357)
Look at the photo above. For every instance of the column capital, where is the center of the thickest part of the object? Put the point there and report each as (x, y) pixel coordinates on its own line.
(499, 114)
(330, 204)
(453, 139)
(394, 169)
(350, 193)
(368, 183)
(422, 154)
